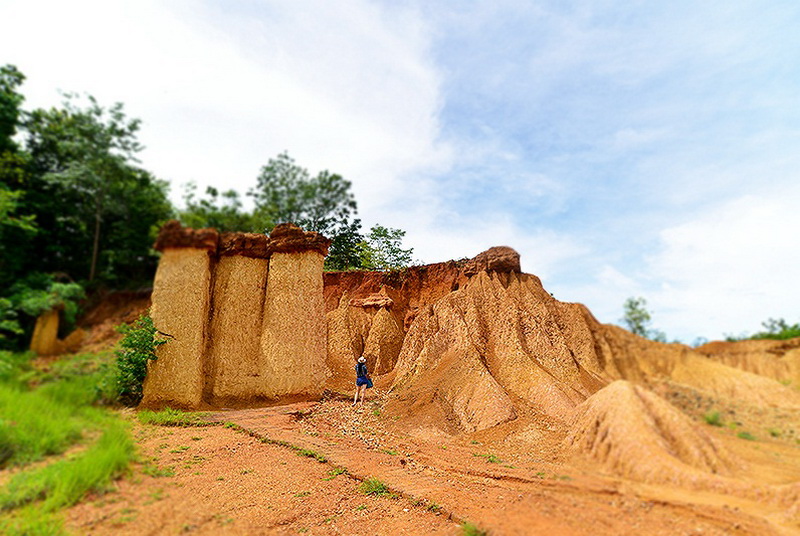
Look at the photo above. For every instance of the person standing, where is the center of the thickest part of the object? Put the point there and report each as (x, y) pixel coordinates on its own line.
(363, 381)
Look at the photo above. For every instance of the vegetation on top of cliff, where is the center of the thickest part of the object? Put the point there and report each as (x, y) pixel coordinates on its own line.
(774, 329)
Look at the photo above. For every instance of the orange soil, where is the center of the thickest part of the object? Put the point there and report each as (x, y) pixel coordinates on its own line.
(229, 481)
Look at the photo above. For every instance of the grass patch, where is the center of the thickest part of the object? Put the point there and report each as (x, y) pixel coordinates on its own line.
(468, 529)
(333, 473)
(774, 432)
(746, 435)
(713, 418)
(373, 486)
(390, 452)
(158, 472)
(65, 482)
(173, 417)
(433, 507)
(312, 454)
(491, 458)
(44, 413)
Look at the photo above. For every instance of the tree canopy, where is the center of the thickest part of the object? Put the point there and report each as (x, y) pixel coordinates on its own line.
(637, 319)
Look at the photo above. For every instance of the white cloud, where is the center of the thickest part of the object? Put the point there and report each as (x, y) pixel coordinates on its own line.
(729, 269)
(346, 87)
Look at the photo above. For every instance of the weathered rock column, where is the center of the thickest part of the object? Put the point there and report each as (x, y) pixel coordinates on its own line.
(180, 311)
(293, 340)
(240, 280)
(45, 334)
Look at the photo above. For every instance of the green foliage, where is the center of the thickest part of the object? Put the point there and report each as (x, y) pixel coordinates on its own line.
(221, 211)
(173, 417)
(84, 156)
(285, 192)
(312, 454)
(336, 471)
(778, 329)
(373, 486)
(468, 529)
(713, 418)
(637, 319)
(382, 251)
(34, 302)
(9, 325)
(55, 416)
(746, 435)
(138, 346)
(10, 102)
(65, 482)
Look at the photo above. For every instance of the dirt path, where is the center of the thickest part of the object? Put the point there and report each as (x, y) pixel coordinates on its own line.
(247, 478)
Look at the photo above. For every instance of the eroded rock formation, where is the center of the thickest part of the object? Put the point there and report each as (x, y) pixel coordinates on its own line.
(244, 315)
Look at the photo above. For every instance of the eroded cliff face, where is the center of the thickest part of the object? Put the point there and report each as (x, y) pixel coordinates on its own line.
(499, 346)
(368, 313)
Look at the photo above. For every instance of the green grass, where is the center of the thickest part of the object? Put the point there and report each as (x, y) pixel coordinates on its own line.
(468, 529)
(45, 413)
(491, 458)
(173, 417)
(774, 432)
(311, 454)
(746, 435)
(336, 471)
(713, 418)
(66, 481)
(373, 486)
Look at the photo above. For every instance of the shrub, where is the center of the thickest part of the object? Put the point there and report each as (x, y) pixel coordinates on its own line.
(713, 418)
(746, 435)
(137, 348)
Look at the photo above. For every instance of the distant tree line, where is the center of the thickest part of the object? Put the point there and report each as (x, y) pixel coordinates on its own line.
(78, 213)
(637, 319)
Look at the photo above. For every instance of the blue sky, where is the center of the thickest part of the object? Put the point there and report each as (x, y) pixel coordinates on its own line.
(624, 149)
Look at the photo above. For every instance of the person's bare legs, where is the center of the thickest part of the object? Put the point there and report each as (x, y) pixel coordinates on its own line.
(355, 398)
(363, 389)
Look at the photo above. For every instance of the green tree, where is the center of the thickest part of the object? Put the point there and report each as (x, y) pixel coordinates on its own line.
(96, 209)
(381, 250)
(10, 106)
(285, 192)
(637, 319)
(220, 210)
(778, 329)
(88, 150)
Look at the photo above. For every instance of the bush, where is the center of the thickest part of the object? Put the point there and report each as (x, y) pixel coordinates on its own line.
(713, 418)
(137, 348)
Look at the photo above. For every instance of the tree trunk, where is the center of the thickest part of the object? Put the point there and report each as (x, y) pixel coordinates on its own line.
(96, 245)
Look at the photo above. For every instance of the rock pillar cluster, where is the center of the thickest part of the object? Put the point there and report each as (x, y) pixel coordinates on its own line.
(243, 314)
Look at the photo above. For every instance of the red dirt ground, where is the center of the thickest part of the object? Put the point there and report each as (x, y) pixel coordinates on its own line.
(247, 478)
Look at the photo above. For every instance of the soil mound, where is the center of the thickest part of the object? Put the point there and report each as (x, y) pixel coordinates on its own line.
(633, 432)
(779, 360)
(500, 337)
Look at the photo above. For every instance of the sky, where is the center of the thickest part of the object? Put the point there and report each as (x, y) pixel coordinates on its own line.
(622, 148)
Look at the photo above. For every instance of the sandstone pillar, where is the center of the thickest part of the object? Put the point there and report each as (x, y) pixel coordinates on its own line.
(45, 334)
(180, 311)
(293, 340)
(240, 280)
